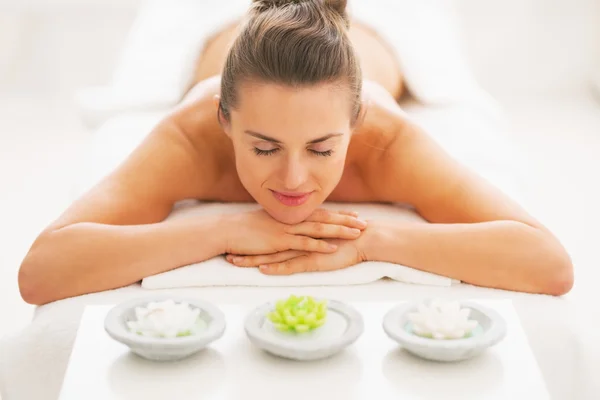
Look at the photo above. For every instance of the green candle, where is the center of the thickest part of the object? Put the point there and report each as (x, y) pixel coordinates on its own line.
(298, 314)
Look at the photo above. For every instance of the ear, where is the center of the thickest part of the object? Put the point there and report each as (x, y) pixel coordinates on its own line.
(222, 120)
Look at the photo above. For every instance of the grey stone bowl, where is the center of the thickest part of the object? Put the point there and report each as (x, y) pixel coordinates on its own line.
(492, 331)
(343, 327)
(164, 349)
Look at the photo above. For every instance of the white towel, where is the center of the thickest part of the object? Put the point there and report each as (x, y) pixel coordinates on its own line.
(218, 272)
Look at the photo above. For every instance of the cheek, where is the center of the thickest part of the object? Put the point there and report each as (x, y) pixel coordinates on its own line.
(251, 170)
(330, 174)
(246, 163)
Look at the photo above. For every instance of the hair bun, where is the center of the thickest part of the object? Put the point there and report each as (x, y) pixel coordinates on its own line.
(337, 5)
(264, 4)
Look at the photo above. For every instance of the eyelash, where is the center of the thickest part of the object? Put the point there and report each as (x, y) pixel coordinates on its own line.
(322, 153)
(260, 152)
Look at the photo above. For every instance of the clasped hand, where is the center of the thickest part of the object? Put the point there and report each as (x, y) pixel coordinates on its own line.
(327, 240)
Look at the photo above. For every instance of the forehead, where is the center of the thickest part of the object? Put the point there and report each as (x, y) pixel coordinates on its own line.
(267, 106)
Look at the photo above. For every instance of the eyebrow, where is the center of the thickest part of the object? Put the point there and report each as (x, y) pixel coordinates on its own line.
(273, 140)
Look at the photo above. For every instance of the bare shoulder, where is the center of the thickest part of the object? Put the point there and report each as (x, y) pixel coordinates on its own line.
(174, 162)
(409, 166)
(196, 114)
(196, 120)
(381, 125)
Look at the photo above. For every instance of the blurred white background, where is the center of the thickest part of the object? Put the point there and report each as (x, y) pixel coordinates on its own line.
(51, 47)
(526, 47)
(537, 57)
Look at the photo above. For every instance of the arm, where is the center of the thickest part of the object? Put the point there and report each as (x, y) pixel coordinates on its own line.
(477, 234)
(86, 257)
(116, 235)
(111, 236)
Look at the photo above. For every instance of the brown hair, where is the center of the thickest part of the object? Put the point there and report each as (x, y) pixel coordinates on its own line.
(294, 43)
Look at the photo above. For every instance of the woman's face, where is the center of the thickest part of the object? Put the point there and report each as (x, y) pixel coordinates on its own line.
(290, 145)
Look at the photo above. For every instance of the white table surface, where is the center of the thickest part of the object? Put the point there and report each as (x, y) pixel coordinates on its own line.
(232, 368)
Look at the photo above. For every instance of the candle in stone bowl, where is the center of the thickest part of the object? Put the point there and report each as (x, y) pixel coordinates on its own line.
(298, 314)
(167, 319)
(442, 320)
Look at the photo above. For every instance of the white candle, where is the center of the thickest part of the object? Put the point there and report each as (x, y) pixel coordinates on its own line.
(442, 320)
(166, 319)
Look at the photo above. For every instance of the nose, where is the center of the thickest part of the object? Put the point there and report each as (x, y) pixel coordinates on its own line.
(295, 173)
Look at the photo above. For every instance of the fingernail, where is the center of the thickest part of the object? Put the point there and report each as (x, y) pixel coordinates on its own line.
(354, 213)
(263, 268)
(333, 247)
(362, 223)
(237, 259)
(355, 231)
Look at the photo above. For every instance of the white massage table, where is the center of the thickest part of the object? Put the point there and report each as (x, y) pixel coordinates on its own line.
(32, 363)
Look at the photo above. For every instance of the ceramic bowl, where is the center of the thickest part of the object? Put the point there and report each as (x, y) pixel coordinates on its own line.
(492, 330)
(164, 349)
(343, 326)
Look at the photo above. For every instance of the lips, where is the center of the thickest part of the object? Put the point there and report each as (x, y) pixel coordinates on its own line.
(291, 199)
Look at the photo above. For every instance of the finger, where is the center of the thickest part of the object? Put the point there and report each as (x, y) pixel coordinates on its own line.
(321, 230)
(255, 261)
(305, 243)
(351, 213)
(334, 218)
(293, 266)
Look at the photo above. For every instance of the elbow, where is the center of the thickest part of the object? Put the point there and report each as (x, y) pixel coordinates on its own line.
(33, 285)
(559, 276)
(27, 286)
(563, 281)
(549, 268)
(30, 287)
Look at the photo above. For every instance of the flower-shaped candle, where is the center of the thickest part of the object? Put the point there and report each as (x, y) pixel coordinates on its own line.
(298, 314)
(166, 319)
(442, 320)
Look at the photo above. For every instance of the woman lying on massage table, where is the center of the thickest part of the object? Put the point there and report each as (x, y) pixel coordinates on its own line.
(304, 111)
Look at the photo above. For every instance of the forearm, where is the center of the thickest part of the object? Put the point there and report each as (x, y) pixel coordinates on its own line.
(87, 257)
(499, 254)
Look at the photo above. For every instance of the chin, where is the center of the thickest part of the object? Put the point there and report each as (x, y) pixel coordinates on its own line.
(290, 215)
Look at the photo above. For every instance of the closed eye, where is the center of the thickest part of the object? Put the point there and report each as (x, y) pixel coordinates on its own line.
(321, 153)
(260, 152)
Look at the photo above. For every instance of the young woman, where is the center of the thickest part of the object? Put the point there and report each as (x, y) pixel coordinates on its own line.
(293, 107)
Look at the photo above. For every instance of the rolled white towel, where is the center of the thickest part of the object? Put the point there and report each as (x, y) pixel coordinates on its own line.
(218, 272)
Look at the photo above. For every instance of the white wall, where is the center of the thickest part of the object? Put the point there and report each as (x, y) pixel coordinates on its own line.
(53, 4)
(531, 46)
(53, 47)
